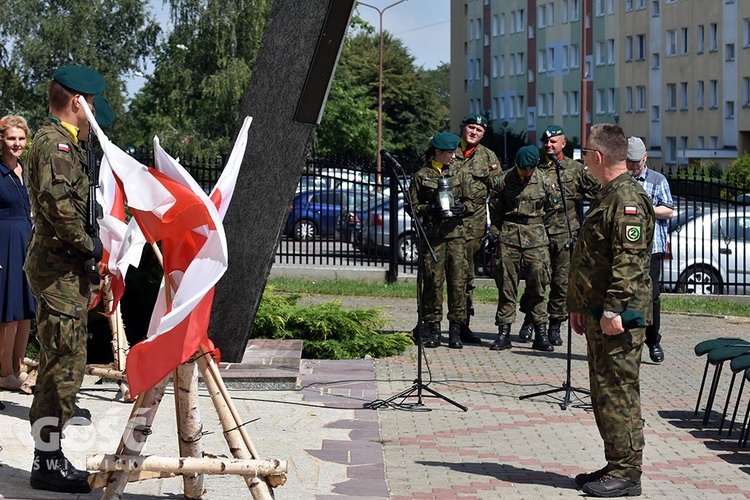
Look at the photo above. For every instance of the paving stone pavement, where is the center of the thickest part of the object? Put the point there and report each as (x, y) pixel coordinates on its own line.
(502, 447)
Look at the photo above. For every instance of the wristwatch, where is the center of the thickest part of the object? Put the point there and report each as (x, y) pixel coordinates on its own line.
(611, 314)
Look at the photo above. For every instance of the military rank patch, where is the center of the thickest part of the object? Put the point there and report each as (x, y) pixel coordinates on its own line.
(631, 210)
(633, 233)
(63, 147)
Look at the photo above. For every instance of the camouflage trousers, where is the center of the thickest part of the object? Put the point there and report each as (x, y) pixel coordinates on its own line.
(451, 265)
(473, 246)
(535, 263)
(557, 303)
(62, 316)
(614, 368)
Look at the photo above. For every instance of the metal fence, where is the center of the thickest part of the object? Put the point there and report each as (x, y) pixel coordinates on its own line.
(341, 216)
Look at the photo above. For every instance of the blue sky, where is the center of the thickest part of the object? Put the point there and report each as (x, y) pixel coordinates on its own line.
(423, 26)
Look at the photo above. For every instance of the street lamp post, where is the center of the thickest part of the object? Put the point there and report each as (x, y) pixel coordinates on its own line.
(380, 82)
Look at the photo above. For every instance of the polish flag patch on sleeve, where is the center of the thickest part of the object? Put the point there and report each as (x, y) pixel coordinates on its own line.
(63, 147)
(631, 210)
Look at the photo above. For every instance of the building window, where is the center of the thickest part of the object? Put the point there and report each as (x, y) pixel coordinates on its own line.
(541, 16)
(671, 152)
(640, 99)
(701, 142)
(684, 42)
(521, 109)
(713, 142)
(494, 66)
(729, 52)
(540, 104)
(477, 68)
(701, 39)
(628, 5)
(502, 24)
(574, 57)
(541, 60)
(601, 53)
(494, 25)
(611, 51)
(551, 104)
(521, 63)
(670, 99)
(671, 42)
(641, 48)
(486, 80)
(713, 37)
(655, 10)
(502, 66)
(565, 56)
(495, 107)
(640, 4)
(746, 33)
(655, 60)
(564, 12)
(610, 7)
(512, 107)
(551, 59)
(629, 99)
(684, 96)
(611, 101)
(502, 108)
(655, 113)
(575, 10)
(729, 110)
(520, 23)
(531, 77)
(566, 100)
(745, 92)
(713, 97)
(600, 104)
(628, 48)
(684, 142)
(699, 95)
(551, 14)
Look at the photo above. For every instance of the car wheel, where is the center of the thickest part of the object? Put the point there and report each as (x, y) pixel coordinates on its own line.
(408, 249)
(304, 230)
(701, 280)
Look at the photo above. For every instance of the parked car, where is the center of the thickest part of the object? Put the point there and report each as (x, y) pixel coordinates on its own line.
(374, 237)
(315, 213)
(708, 253)
(350, 221)
(313, 183)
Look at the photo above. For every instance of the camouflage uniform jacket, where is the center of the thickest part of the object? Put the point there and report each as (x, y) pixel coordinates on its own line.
(610, 265)
(517, 208)
(58, 188)
(423, 191)
(478, 172)
(579, 186)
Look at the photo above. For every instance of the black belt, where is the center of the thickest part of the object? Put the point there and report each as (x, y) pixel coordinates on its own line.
(523, 219)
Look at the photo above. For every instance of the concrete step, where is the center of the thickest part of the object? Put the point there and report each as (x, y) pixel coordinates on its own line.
(267, 365)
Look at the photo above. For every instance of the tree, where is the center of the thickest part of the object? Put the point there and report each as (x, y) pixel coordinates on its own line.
(115, 37)
(411, 108)
(192, 100)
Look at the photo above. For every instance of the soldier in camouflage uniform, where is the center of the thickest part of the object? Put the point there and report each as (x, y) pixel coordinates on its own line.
(59, 191)
(579, 186)
(518, 203)
(609, 296)
(446, 236)
(478, 167)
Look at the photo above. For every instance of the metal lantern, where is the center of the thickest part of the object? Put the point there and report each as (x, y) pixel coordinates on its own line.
(445, 196)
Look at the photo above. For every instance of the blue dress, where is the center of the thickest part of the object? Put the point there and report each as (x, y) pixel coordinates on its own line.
(16, 300)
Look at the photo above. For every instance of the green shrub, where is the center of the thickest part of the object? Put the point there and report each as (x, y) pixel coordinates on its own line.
(327, 330)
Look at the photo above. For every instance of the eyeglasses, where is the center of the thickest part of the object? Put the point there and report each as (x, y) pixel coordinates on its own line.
(587, 150)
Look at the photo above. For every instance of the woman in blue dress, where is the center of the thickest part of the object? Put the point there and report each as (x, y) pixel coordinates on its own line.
(17, 304)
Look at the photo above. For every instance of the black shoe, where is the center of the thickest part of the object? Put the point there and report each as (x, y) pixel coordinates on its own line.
(503, 339)
(469, 337)
(587, 477)
(81, 416)
(51, 471)
(609, 486)
(554, 332)
(541, 341)
(433, 335)
(527, 329)
(656, 353)
(454, 336)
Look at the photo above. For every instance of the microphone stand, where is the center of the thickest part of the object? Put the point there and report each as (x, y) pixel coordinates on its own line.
(418, 387)
(566, 386)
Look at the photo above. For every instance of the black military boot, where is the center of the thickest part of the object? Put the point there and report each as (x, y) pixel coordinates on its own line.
(541, 341)
(554, 332)
(454, 336)
(469, 337)
(503, 339)
(433, 335)
(51, 471)
(524, 334)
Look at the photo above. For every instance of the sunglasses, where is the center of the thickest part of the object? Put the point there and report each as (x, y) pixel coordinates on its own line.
(587, 150)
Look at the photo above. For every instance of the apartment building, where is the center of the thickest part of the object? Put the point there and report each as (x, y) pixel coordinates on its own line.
(674, 72)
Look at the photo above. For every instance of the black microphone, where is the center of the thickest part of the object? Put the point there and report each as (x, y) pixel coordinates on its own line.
(555, 161)
(387, 156)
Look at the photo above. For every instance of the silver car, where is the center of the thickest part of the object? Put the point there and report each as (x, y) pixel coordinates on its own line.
(373, 237)
(708, 254)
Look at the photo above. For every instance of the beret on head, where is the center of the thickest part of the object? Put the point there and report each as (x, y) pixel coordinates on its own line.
(552, 131)
(445, 141)
(104, 113)
(475, 119)
(527, 157)
(636, 149)
(80, 79)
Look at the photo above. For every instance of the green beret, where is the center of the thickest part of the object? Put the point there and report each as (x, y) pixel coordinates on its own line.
(527, 157)
(445, 141)
(80, 79)
(552, 131)
(104, 113)
(475, 119)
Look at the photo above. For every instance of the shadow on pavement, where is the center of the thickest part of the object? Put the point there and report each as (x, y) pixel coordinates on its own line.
(509, 473)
